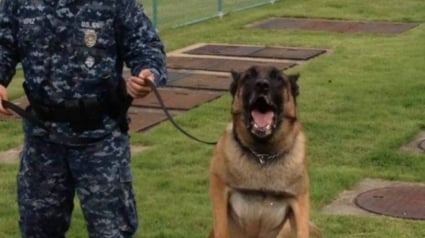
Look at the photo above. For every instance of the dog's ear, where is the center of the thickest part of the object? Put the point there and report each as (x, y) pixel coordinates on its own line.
(234, 85)
(252, 71)
(293, 80)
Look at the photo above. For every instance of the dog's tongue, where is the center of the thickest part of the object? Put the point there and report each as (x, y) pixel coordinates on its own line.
(262, 119)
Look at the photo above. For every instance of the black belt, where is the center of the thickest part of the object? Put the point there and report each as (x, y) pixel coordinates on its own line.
(83, 114)
(35, 120)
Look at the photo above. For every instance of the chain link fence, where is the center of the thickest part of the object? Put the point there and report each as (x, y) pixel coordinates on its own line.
(176, 13)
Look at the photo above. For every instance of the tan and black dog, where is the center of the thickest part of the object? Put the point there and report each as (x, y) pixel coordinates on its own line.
(259, 186)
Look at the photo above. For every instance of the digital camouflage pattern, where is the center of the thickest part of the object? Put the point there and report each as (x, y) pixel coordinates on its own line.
(66, 48)
(101, 175)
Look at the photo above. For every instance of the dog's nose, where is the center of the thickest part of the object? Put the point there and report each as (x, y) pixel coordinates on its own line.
(262, 85)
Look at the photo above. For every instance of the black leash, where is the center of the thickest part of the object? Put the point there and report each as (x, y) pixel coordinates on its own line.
(24, 114)
(170, 118)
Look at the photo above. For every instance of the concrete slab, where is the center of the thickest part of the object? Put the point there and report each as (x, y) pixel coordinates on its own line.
(336, 26)
(416, 145)
(345, 205)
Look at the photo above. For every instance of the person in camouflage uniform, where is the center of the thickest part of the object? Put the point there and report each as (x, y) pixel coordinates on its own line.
(72, 54)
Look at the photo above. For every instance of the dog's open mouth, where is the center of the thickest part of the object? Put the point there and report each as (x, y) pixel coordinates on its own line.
(262, 119)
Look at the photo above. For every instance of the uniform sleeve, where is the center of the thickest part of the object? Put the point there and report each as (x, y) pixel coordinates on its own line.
(8, 47)
(141, 44)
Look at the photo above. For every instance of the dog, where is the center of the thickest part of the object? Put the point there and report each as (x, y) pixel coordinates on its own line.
(259, 186)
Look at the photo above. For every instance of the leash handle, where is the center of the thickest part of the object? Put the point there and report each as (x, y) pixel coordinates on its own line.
(170, 118)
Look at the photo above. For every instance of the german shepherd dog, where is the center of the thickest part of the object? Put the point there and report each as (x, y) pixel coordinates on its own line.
(259, 186)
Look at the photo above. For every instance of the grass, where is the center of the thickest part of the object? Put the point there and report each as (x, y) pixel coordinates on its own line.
(358, 105)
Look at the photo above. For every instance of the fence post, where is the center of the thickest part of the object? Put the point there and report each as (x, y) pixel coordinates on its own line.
(220, 8)
(155, 13)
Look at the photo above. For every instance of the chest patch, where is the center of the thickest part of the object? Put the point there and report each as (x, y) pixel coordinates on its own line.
(90, 37)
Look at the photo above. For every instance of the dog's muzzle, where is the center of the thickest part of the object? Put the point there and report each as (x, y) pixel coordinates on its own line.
(262, 119)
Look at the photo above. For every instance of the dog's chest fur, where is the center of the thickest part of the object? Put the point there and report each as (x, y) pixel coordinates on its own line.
(256, 214)
(280, 176)
(258, 195)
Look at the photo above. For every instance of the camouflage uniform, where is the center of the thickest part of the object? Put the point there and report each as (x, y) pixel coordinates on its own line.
(66, 47)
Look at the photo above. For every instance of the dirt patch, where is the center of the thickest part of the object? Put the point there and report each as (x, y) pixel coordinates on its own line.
(416, 145)
(11, 156)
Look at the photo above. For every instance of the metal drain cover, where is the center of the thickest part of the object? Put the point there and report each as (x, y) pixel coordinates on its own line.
(406, 202)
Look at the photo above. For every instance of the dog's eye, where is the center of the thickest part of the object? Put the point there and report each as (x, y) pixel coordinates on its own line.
(277, 82)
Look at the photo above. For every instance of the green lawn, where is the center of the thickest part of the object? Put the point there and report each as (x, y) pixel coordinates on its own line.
(359, 104)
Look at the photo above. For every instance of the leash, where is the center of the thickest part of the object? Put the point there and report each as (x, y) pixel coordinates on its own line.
(24, 114)
(170, 118)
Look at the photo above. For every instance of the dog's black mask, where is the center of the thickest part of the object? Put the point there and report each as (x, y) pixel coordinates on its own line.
(263, 97)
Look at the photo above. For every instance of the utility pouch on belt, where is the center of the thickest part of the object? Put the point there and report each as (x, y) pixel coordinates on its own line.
(118, 98)
(82, 114)
(119, 101)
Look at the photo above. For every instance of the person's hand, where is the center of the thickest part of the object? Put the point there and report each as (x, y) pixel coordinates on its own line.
(3, 96)
(137, 87)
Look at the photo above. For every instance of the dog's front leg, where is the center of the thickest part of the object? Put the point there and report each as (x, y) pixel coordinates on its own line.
(219, 196)
(301, 215)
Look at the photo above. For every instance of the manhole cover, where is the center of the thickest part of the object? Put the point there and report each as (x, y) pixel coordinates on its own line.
(406, 202)
(421, 145)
